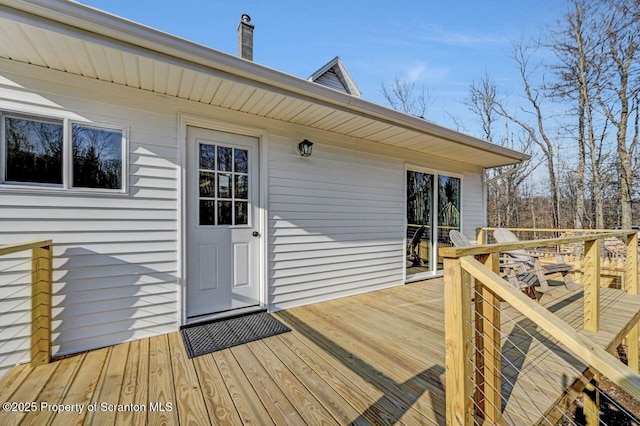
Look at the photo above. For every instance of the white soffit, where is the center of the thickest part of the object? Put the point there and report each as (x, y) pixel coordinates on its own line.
(77, 39)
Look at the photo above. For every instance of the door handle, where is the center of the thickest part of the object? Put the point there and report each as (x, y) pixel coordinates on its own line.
(256, 234)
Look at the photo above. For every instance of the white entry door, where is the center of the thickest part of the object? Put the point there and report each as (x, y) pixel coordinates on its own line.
(222, 220)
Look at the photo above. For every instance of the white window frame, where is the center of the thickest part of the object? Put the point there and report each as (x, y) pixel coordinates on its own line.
(67, 156)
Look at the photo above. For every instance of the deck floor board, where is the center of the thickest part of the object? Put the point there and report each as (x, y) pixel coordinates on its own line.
(187, 385)
(375, 358)
(161, 385)
(247, 402)
(275, 401)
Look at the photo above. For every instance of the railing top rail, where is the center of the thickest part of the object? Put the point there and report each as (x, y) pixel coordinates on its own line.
(491, 228)
(496, 248)
(14, 248)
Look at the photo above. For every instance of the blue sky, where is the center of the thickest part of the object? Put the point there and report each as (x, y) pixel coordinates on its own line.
(444, 45)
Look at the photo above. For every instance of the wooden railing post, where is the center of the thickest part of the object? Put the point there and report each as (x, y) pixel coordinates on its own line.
(458, 350)
(591, 402)
(480, 236)
(591, 282)
(41, 275)
(488, 384)
(631, 286)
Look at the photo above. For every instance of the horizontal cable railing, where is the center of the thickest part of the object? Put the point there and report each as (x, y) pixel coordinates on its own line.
(485, 354)
(41, 276)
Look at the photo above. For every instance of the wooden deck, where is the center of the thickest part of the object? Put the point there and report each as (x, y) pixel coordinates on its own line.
(375, 358)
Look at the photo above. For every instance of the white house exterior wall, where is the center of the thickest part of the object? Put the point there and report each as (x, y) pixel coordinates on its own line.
(335, 221)
(115, 256)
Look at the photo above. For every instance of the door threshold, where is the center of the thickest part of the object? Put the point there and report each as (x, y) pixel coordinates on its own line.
(222, 315)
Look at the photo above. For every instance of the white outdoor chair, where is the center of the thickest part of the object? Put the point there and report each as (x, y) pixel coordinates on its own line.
(521, 280)
(529, 262)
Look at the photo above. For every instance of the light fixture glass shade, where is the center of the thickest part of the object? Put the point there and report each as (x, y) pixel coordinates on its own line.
(305, 147)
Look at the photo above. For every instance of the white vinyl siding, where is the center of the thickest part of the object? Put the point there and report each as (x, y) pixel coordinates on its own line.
(115, 255)
(335, 223)
(331, 79)
(473, 204)
(337, 219)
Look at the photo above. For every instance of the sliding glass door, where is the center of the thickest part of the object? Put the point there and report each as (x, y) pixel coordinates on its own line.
(433, 209)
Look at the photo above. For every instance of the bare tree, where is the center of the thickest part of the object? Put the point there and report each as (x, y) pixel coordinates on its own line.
(619, 100)
(503, 183)
(404, 96)
(482, 102)
(537, 132)
(577, 43)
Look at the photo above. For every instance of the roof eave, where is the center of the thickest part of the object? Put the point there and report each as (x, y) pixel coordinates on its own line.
(126, 31)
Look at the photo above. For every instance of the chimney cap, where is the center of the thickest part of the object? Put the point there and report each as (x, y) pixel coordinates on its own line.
(246, 18)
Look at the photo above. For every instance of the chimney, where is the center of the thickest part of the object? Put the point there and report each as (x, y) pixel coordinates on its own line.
(245, 38)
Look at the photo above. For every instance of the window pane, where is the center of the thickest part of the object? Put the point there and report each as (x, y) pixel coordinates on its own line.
(242, 187)
(207, 212)
(207, 184)
(34, 150)
(224, 159)
(97, 157)
(419, 221)
(224, 185)
(224, 212)
(242, 217)
(448, 208)
(241, 161)
(207, 157)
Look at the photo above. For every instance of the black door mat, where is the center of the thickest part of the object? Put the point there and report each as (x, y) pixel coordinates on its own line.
(212, 337)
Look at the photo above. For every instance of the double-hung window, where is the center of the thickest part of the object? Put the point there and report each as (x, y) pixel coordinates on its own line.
(59, 153)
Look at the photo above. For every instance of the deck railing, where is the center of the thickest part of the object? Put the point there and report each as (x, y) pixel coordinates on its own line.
(473, 293)
(41, 275)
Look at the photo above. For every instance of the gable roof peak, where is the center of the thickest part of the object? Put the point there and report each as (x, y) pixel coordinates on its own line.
(334, 74)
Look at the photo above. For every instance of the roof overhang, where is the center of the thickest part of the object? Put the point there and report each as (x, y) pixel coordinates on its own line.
(78, 39)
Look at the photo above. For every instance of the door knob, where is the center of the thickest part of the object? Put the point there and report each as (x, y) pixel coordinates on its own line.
(256, 234)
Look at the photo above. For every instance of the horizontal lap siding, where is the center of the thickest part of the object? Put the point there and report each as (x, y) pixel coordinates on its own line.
(336, 223)
(115, 256)
(330, 79)
(473, 205)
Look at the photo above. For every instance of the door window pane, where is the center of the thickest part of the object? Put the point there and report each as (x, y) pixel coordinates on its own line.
(224, 213)
(97, 157)
(419, 221)
(207, 212)
(448, 208)
(33, 150)
(224, 185)
(207, 157)
(240, 160)
(242, 187)
(224, 159)
(207, 184)
(242, 217)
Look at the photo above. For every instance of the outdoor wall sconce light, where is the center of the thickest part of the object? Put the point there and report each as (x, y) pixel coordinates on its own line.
(305, 147)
